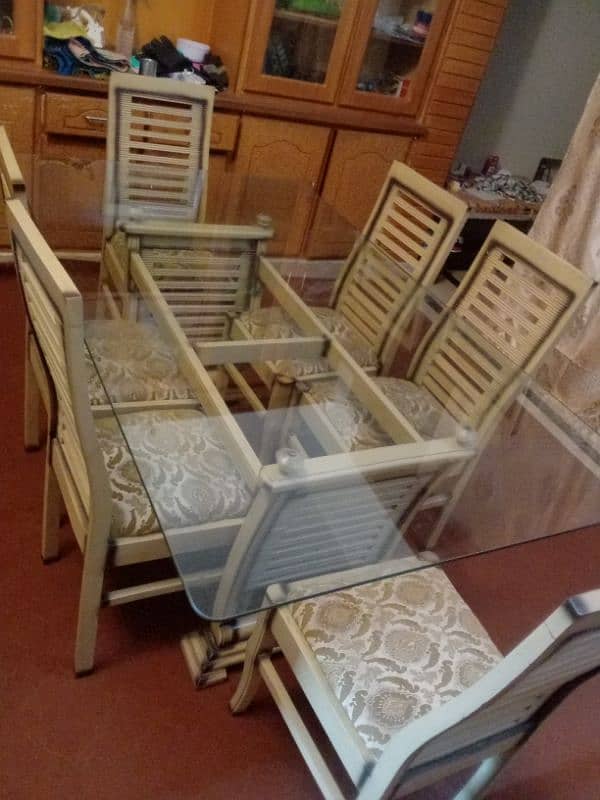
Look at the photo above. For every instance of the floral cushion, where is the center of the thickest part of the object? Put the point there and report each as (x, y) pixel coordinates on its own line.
(134, 362)
(181, 460)
(396, 649)
(356, 425)
(274, 323)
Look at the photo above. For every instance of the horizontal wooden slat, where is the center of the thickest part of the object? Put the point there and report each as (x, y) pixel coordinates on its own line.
(454, 67)
(444, 123)
(457, 82)
(473, 40)
(432, 149)
(460, 98)
(474, 24)
(470, 54)
(449, 110)
(428, 162)
(488, 11)
(442, 137)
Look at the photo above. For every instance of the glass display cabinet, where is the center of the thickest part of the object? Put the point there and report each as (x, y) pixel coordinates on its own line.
(394, 45)
(18, 34)
(299, 46)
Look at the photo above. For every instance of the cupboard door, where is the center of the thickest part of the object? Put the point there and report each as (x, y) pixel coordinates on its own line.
(20, 28)
(277, 170)
(392, 54)
(356, 172)
(17, 109)
(296, 48)
(69, 189)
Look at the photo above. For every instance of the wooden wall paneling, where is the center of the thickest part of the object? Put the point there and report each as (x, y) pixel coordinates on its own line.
(228, 34)
(223, 142)
(17, 114)
(277, 171)
(25, 41)
(356, 171)
(459, 69)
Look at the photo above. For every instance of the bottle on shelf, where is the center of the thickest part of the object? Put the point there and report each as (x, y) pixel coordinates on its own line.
(126, 30)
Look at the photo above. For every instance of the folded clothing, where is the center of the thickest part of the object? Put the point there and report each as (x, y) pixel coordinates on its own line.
(78, 56)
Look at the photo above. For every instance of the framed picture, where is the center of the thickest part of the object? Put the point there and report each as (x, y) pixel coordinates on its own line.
(547, 169)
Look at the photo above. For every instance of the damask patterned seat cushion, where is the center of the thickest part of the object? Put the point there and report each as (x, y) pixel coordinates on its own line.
(396, 649)
(182, 461)
(356, 425)
(274, 323)
(134, 362)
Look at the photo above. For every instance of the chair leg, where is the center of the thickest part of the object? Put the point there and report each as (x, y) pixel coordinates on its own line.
(483, 776)
(90, 600)
(33, 402)
(250, 678)
(53, 505)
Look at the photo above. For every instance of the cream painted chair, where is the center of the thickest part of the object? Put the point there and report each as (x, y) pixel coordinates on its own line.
(404, 245)
(408, 685)
(88, 462)
(511, 307)
(136, 364)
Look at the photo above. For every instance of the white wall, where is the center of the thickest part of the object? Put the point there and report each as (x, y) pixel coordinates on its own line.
(543, 67)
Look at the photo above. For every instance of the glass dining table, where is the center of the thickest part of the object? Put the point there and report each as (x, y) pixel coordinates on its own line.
(305, 469)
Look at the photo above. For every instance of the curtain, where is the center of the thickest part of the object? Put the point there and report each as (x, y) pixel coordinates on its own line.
(569, 224)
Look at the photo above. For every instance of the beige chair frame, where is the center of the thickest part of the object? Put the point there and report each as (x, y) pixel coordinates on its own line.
(37, 390)
(408, 236)
(482, 727)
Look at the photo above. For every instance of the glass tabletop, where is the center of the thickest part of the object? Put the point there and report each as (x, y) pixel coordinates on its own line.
(280, 463)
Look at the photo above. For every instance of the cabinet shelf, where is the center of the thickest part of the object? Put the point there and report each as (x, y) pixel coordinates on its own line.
(400, 40)
(310, 19)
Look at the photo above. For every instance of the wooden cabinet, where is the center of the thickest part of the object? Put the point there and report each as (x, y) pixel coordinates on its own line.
(223, 141)
(17, 110)
(20, 29)
(277, 169)
(357, 168)
(69, 179)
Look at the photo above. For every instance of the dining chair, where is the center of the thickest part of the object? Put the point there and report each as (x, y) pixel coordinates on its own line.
(405, 243)
(409, 686)
(137, 366)
(158, 143)
(88, 462)
(514, 302)
(37, 389)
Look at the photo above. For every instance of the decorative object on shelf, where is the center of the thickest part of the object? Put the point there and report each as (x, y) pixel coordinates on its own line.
(126, 29)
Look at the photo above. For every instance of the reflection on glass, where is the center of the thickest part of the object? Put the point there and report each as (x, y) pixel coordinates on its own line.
(6, 16)
(301, 39)
(399, 33)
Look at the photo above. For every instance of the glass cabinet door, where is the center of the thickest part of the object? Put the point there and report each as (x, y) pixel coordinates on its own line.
(18, 34)
(394, 46)
(297, 47)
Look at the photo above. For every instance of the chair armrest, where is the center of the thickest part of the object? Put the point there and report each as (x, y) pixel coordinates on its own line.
(196, 230)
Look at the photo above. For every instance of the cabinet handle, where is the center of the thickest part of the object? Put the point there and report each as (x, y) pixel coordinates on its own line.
(94, 119)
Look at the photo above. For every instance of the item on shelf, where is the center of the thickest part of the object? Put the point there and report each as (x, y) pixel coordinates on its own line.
(147, 66)
(507, 185)
(422, 24)
(126, 29)
(195, 51)
(168, 58)
(78, 56)
(491, 165)
(320, 8)
(389, 25)
(171, 63)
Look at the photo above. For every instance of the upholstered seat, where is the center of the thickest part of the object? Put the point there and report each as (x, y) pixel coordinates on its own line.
(273, 323)
(134, 362)
(356, 426)
(183, 460)
(394, 650)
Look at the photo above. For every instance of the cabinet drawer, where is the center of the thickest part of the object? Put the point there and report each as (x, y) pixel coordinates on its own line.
(224, 132)
(76, 115)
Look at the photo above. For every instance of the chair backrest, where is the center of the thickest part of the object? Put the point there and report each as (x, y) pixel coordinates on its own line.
(344, 513)
(514, 302)
(55, 309)
(11, 177)
(157, 149)
(500, 711)
(404, 245)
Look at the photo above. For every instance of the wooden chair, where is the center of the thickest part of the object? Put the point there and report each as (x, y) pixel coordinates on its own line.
(37, 384)
(408, 685)
(88, 462)
(511, 307)
(157, 162)
(403, 247)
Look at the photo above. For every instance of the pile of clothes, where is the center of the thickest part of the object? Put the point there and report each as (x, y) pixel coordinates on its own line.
(78, 56)
(170, 61)
(507, 185)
